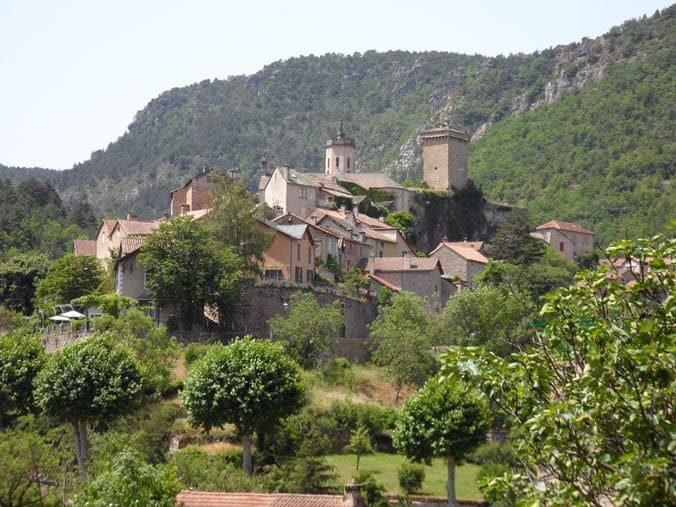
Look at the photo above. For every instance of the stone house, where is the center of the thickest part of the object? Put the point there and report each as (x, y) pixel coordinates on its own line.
(329, 244)
(292, 254)
(570, 240)
(420, 275)
(445, 152)
(193, 195)
(460, 261)
(382, 239)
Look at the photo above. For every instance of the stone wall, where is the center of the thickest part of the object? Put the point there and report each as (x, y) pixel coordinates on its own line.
(260, 302)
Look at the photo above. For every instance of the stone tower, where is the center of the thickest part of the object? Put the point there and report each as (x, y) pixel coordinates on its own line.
(339, 153)
(445, 157)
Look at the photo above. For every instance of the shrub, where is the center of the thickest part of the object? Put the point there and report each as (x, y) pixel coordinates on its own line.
(196, 469)
(411, 477)
(493, 452)
(371, 490)
(195, 351)
(311, 474)
(338, 372)
(484, 475)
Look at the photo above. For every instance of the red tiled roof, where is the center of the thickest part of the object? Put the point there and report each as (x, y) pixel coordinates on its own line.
(129, 245)
(564, 226)
(218, 499)
(397, 264)
(137, 227)
(109, 225)
(84, 246)
(468, 250)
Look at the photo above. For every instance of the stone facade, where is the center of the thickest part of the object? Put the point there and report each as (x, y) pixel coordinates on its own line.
(259, 302)
(460, 260)
(339, 154)
(570, 240)
(445, 153)
(292, 254)
(192, 196)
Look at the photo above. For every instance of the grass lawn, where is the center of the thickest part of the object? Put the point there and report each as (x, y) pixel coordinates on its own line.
(385, 467)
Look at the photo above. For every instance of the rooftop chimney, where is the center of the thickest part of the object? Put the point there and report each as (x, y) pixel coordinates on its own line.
(313, 219)
(131, 216)
(343, 209)
(285, 171)
(204, 168)
(264, 165)
(371, 264)
(352, 495)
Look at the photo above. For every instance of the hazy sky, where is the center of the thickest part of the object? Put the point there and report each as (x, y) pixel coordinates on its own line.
(74, 73)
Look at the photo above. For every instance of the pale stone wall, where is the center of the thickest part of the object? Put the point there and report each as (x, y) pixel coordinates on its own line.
(275, 191)
(567, 243)
(103, 245)
(336, 158)
(422, 283)
(131, 279)
(445, 159)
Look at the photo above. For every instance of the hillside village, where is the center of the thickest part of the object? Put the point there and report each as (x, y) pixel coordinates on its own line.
(317, 222)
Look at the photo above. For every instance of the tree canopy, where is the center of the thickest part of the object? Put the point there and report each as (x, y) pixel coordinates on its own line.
(250, 383)
(592, 400)
(309, 330)
(19, 276)
(90, 381)
(403, 344)
(446, 419)
(68, 278)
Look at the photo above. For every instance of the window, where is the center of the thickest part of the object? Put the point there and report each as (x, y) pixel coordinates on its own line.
(337, 162)
(298, 274)
(561, 246)
(273, 274)
(328, 163)
(309, 255)
(310, 276)
(298, 251)
(302, 193)
(348, 162)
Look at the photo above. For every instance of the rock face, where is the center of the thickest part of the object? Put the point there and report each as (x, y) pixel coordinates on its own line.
(465, 215)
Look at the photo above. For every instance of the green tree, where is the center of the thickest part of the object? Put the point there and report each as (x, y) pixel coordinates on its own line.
(484, 316)
(21, 358)
(592, 401)
(250, 384)
(513, 243)
(68, 278)
(355, 282)
(19, 276)
(234, 220)
(404, 221)
(310, 329)
(128, 480)
(91, 381)
(446, 419)
(360, 443)
(403, 344)
(187, 269)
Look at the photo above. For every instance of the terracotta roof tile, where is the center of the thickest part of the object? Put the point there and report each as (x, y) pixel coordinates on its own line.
(397, 264)
(384, 282)
(564, 226)
(130, 245)
(218, 499)
(468, 250)
(84, 246)
(137, 227)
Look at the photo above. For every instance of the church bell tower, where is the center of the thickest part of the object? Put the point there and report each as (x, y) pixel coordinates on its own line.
(339, 153)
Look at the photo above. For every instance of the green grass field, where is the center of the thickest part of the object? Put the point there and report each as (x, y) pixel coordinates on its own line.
(385, 467)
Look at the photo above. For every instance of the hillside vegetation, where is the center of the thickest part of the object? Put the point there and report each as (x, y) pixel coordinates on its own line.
(560, 126)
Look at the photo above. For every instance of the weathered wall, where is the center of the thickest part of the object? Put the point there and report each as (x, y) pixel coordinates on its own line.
(260, 302)
(464, 215)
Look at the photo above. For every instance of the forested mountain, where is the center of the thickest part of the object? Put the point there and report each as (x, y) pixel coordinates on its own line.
(580, 132)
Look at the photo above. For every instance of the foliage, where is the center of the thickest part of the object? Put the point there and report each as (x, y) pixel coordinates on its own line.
(445, 419)
(28, 465)
(130, 481)
(311, 474)
(155, 350)
(68, 278)
(411, 477)
(34, 219)
(234, 220)
(19, 276)
(371, 490)
(513, 243)
(484, 316)
(186, 268)
(355, 282)
(360, 443)
(309, 330)
(194, 351)
(404, 221)
(403, 344)
(91, 381)
(199, 470)
(21, 359)
(338, 371)
(250, 384)
(494, 452)
(591, 401)
(110, 304)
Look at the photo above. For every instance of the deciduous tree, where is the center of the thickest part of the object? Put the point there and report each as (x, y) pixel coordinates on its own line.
(403, 344)
(309, 330)
(68, 278)
(360, 443)
(592, 401)
(446, 419)
(250, 384)
(91, 381)
(19, 276)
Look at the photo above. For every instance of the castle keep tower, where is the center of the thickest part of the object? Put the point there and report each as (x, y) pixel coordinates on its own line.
(445, 157)
(339, 153)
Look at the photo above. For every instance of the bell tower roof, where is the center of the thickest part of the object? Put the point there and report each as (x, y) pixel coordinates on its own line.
(340, 138)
